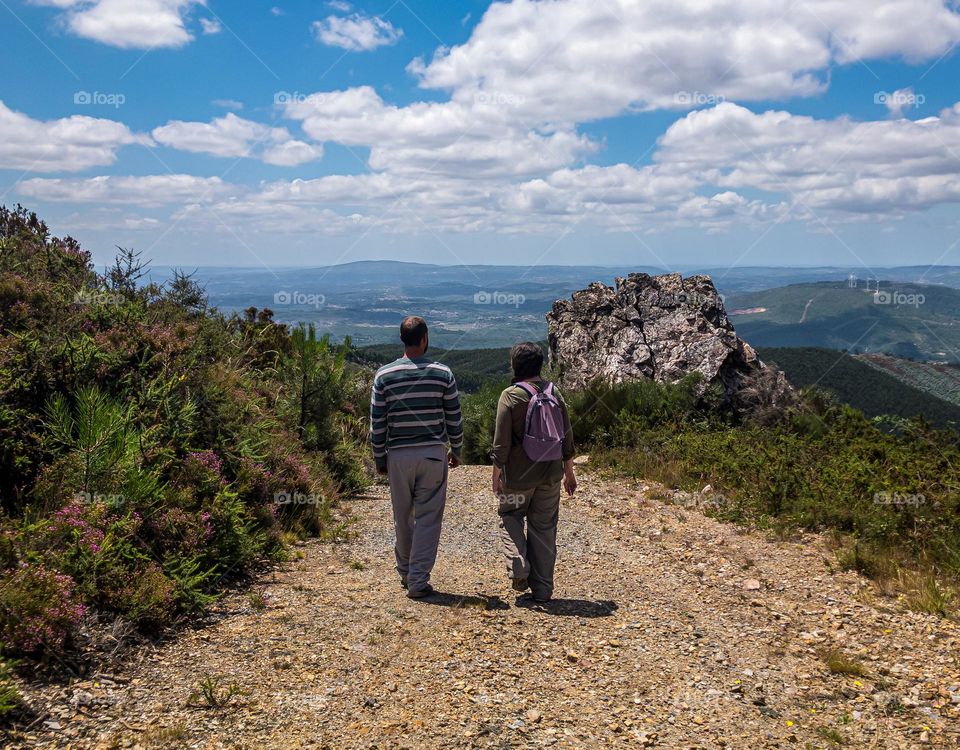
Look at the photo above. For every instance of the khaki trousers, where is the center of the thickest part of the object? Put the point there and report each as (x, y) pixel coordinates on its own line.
(418, 490)
(532, 552)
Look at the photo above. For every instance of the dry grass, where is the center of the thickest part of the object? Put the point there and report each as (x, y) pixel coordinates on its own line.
(840, 663)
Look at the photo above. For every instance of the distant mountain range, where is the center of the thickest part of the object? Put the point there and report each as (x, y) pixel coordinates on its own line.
(488, 306)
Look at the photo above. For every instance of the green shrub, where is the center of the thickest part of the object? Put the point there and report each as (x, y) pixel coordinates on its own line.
(145, 439)
(479, 411)
(822, 467)
(38, 608)
(10, 699)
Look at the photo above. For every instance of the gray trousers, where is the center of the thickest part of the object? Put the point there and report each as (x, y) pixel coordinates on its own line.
(418, 489)
(531, 553)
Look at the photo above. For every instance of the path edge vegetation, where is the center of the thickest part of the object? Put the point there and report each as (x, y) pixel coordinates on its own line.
(153, 451)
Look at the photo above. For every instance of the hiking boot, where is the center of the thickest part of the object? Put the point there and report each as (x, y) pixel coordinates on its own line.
(403, 582)
(520, 584)
(420, 593)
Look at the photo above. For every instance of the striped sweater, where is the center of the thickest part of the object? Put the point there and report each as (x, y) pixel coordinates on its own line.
(414, 402)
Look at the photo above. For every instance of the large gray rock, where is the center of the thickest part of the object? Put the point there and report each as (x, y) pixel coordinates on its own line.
(662, 328)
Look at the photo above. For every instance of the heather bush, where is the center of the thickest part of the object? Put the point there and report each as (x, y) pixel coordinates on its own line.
(38, 608)
(147, 442)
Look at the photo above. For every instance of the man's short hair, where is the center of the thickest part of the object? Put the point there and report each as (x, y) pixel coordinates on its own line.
(412, 330)
(526, 360)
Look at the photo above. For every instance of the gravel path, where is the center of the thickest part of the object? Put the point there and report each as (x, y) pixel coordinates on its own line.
(671, 630)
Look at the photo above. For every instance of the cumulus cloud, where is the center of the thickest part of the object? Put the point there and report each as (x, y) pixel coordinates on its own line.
(504, 151)
(829, 165)
(477, 138)
(232, 136)
(581, 60)
(356, 33)
(68, 144)
(149, 190)
(139, 24)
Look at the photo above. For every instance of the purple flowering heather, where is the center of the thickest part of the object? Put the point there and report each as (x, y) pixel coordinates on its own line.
(208, 460)
(39, 608)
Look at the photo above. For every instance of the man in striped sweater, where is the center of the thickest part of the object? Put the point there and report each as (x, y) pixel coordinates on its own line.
(414, 413)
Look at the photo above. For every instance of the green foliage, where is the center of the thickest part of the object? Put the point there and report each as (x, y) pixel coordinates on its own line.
(38, 609)
(613, 415)
(319, 380)
(10, 699)
(824, 466)
(210, 694)
(479, 411)
(145, 440)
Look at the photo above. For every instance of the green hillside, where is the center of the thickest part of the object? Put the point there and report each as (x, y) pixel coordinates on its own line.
(869, 389)
(473, 367)
(906, 320)
(937, 378)
(854, 381)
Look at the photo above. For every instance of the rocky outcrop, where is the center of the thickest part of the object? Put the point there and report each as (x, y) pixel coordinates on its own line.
(662, 328)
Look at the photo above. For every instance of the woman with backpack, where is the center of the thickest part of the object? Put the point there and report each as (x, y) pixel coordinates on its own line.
(532, 456)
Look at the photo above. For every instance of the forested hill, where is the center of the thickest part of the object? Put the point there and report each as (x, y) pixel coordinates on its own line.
(869, 389)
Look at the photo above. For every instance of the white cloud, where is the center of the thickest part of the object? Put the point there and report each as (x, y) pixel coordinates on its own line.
(232, 136)
(503, 151)
(478, 138)
(581, 60)
(340, 5)
(356, 33)
(210, 26)
(838, 165)
(149, 190)
(65, 145)
(227, 103)
(138, 24)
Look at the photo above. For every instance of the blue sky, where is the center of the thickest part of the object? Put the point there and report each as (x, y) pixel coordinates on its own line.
(674, 133)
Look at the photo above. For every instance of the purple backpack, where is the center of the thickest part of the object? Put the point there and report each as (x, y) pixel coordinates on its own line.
(543, 433)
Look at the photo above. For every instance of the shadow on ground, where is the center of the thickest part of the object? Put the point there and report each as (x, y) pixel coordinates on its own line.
(570, 607)
(558, 607)
(462, 601)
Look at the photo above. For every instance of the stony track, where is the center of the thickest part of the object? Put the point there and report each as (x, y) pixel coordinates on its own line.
(670, 630)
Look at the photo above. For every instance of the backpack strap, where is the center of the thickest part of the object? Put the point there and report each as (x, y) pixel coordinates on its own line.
(528, 388)
(548, 390)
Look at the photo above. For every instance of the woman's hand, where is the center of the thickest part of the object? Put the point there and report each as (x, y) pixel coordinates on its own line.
(497, 481)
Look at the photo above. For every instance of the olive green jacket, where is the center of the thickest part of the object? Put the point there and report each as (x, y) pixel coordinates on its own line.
(519, 472)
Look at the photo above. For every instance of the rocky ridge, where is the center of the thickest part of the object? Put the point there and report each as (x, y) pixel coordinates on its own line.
(661, 328)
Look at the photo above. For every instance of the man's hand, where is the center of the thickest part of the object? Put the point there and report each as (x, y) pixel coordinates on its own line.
(570, 482)
(453, 461)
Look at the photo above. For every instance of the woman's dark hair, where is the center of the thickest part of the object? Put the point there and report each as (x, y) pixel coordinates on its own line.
(526, 360)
